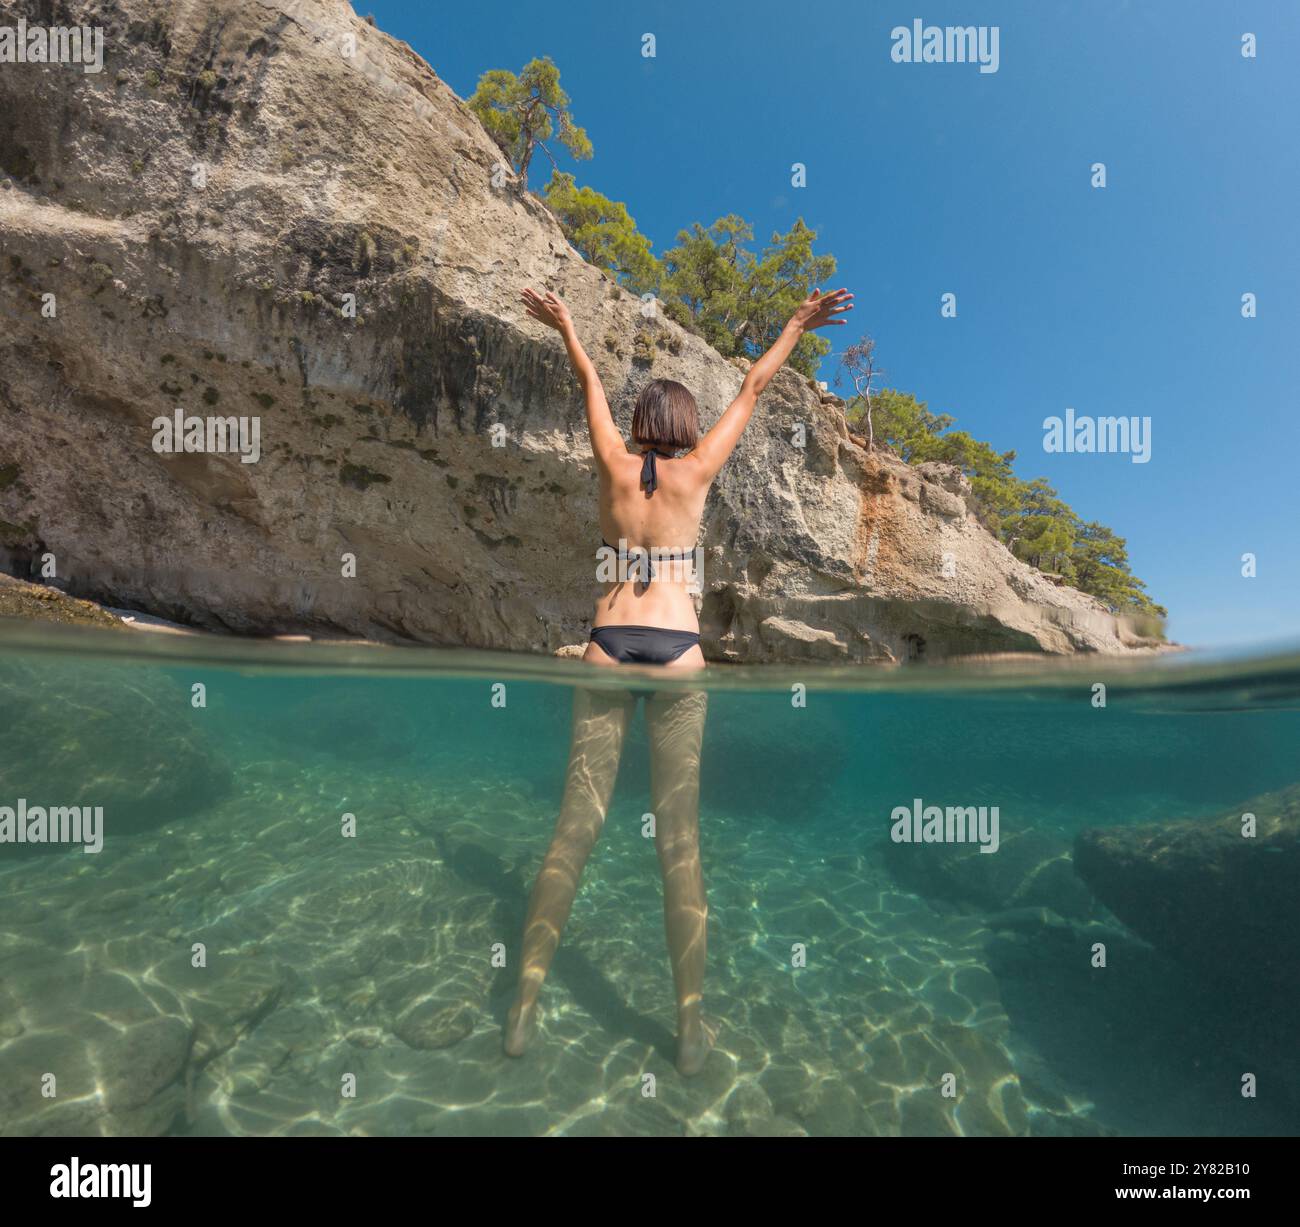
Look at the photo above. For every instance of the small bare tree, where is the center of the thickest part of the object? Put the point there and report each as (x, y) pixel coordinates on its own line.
(858, 364)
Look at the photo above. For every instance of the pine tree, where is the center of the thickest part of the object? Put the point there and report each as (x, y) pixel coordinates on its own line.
(603, 232)
(521, 113)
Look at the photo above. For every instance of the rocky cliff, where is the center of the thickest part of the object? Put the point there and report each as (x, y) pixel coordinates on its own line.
(276, 211)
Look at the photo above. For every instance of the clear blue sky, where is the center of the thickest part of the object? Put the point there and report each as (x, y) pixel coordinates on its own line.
(924, 179)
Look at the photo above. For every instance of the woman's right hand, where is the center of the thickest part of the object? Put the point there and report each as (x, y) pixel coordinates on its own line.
(546, 307)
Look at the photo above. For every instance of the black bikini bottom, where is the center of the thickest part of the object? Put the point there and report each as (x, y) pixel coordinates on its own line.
(643, 645)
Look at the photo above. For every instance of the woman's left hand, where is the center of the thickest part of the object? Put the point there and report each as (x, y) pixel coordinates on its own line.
(818, 310)
(546, 307)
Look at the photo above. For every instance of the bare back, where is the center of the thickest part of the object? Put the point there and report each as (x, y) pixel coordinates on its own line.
(668, 519)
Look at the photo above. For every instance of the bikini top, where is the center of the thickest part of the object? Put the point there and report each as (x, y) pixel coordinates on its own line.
(648, 557)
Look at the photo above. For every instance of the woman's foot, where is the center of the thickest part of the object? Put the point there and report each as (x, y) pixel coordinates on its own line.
(521, 1026)
(695, 1040)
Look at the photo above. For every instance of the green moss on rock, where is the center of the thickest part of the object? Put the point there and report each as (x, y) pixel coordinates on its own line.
(361, 478)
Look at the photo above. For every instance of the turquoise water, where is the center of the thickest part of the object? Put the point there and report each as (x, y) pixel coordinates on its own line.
(231, 962)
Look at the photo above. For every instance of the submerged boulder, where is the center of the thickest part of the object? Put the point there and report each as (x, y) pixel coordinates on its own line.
(121, 737)
(1029, 870)
(1202, 890)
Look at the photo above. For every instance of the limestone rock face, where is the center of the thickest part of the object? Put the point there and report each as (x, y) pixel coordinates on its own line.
(207, 212)
(1203, 892)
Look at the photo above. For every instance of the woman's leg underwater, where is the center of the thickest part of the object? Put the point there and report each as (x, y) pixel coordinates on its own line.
(600, 720)
(675, 725)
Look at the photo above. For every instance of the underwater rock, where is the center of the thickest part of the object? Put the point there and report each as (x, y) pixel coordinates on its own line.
(1203, 892)
(143, 1061)
(431, 1025)
(24, 1110)
(749, 1111)
(1029, 870)
(750, 1115)
(336, 181)
(124, 1059)
(122, 738)
(226, 1001)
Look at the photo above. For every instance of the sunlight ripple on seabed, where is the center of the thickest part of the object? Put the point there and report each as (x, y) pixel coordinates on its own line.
(307, 913)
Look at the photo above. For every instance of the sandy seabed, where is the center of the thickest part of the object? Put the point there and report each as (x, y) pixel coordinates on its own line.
(356, 986)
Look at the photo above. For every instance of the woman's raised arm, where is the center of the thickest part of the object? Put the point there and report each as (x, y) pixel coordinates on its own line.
(606, 442)
(816, 311)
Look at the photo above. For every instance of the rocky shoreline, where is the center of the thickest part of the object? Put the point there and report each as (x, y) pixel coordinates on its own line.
(44, 603)
(347, 280)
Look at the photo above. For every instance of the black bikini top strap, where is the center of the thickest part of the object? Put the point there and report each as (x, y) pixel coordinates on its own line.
(649, 474)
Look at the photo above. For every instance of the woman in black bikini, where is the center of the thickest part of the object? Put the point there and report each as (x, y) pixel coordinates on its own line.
(650, 506)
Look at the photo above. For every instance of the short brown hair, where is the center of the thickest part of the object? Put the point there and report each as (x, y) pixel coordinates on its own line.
(666, 416)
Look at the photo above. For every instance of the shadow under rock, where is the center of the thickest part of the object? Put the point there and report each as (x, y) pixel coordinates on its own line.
(1157, 1050)
(585, 981)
